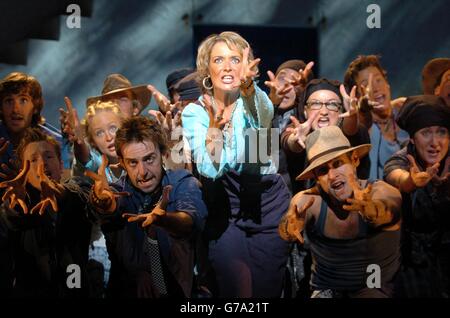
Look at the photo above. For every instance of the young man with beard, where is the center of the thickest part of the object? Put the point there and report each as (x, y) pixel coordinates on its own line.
(350, 223)
(151, 254)
(21, 104)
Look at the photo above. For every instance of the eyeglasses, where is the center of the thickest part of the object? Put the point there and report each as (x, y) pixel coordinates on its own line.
(323, 169)
(331, 105)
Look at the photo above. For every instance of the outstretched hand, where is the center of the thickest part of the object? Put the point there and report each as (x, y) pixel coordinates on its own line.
(303, 75)
(277, 92)
(15, 189)
(301, 130)
(421, 178)
(367, 100)
(350, 102)
(295, 219)
(168, 123)
(70, 123)
(50, 190)
(248, 70)
(103, 196)
(374, 211)
(163, 102)
(159, 211)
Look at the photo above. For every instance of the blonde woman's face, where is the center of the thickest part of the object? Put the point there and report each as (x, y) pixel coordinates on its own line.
(225, 67)
(103, 127)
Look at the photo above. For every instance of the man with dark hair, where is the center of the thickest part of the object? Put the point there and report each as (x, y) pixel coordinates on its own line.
(378, 111)
(44, 224)
(151, 254)
(436, 78)
(172, 81)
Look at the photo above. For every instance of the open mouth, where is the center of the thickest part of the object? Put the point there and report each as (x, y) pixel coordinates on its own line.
(433, 153)
(337, 186)
(323, 122)
(15, 118)
(227, 79)
(380, 98)
(112, 148)
(145, 182)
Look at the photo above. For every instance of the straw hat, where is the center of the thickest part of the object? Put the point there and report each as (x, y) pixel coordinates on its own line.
(325, 144)
(117, 83)
(431, 73)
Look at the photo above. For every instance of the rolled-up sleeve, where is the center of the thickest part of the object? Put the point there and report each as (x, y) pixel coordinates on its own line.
(397, 161)
(195, 127)
(260, 108)
(188, 198)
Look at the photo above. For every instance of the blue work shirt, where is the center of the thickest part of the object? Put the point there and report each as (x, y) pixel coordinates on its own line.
(125, 241)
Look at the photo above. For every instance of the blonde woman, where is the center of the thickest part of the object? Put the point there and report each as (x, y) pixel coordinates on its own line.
(99, 126)
(245, 197)
(92, 138)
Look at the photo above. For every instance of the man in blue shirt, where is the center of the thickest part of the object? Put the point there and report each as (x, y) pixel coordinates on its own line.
(152, 255)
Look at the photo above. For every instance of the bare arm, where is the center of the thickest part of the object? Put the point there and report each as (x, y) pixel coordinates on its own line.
(293, 222)
(401, 179)
(351, 119)
(379, 204)
(408, 181)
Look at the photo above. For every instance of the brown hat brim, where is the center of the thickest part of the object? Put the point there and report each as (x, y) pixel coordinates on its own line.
(431, 73)
(143, 95)
(361, 150)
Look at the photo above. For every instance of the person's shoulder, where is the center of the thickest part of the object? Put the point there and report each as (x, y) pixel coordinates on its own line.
(174, 177)
(384, 189)
(193, 108)
(399, 158)
(304, 196)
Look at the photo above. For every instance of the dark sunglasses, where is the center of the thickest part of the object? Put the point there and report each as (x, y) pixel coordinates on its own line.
(323, 169)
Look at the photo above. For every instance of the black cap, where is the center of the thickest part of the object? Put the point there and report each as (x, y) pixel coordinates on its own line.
(295, 65)
(321, 84)
(423, 111)
(173, 78)
(188, 88)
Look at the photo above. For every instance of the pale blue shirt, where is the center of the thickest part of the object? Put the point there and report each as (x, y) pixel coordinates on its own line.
(383, 149)
(94, 163)
(251, 117)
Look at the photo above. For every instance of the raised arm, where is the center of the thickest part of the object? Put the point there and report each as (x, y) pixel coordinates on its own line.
(71, 127)
(408, 181)
(103, 198)
(379, 204)
(293, 221)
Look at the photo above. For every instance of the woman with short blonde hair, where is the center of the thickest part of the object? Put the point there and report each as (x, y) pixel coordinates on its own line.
(245, 197)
